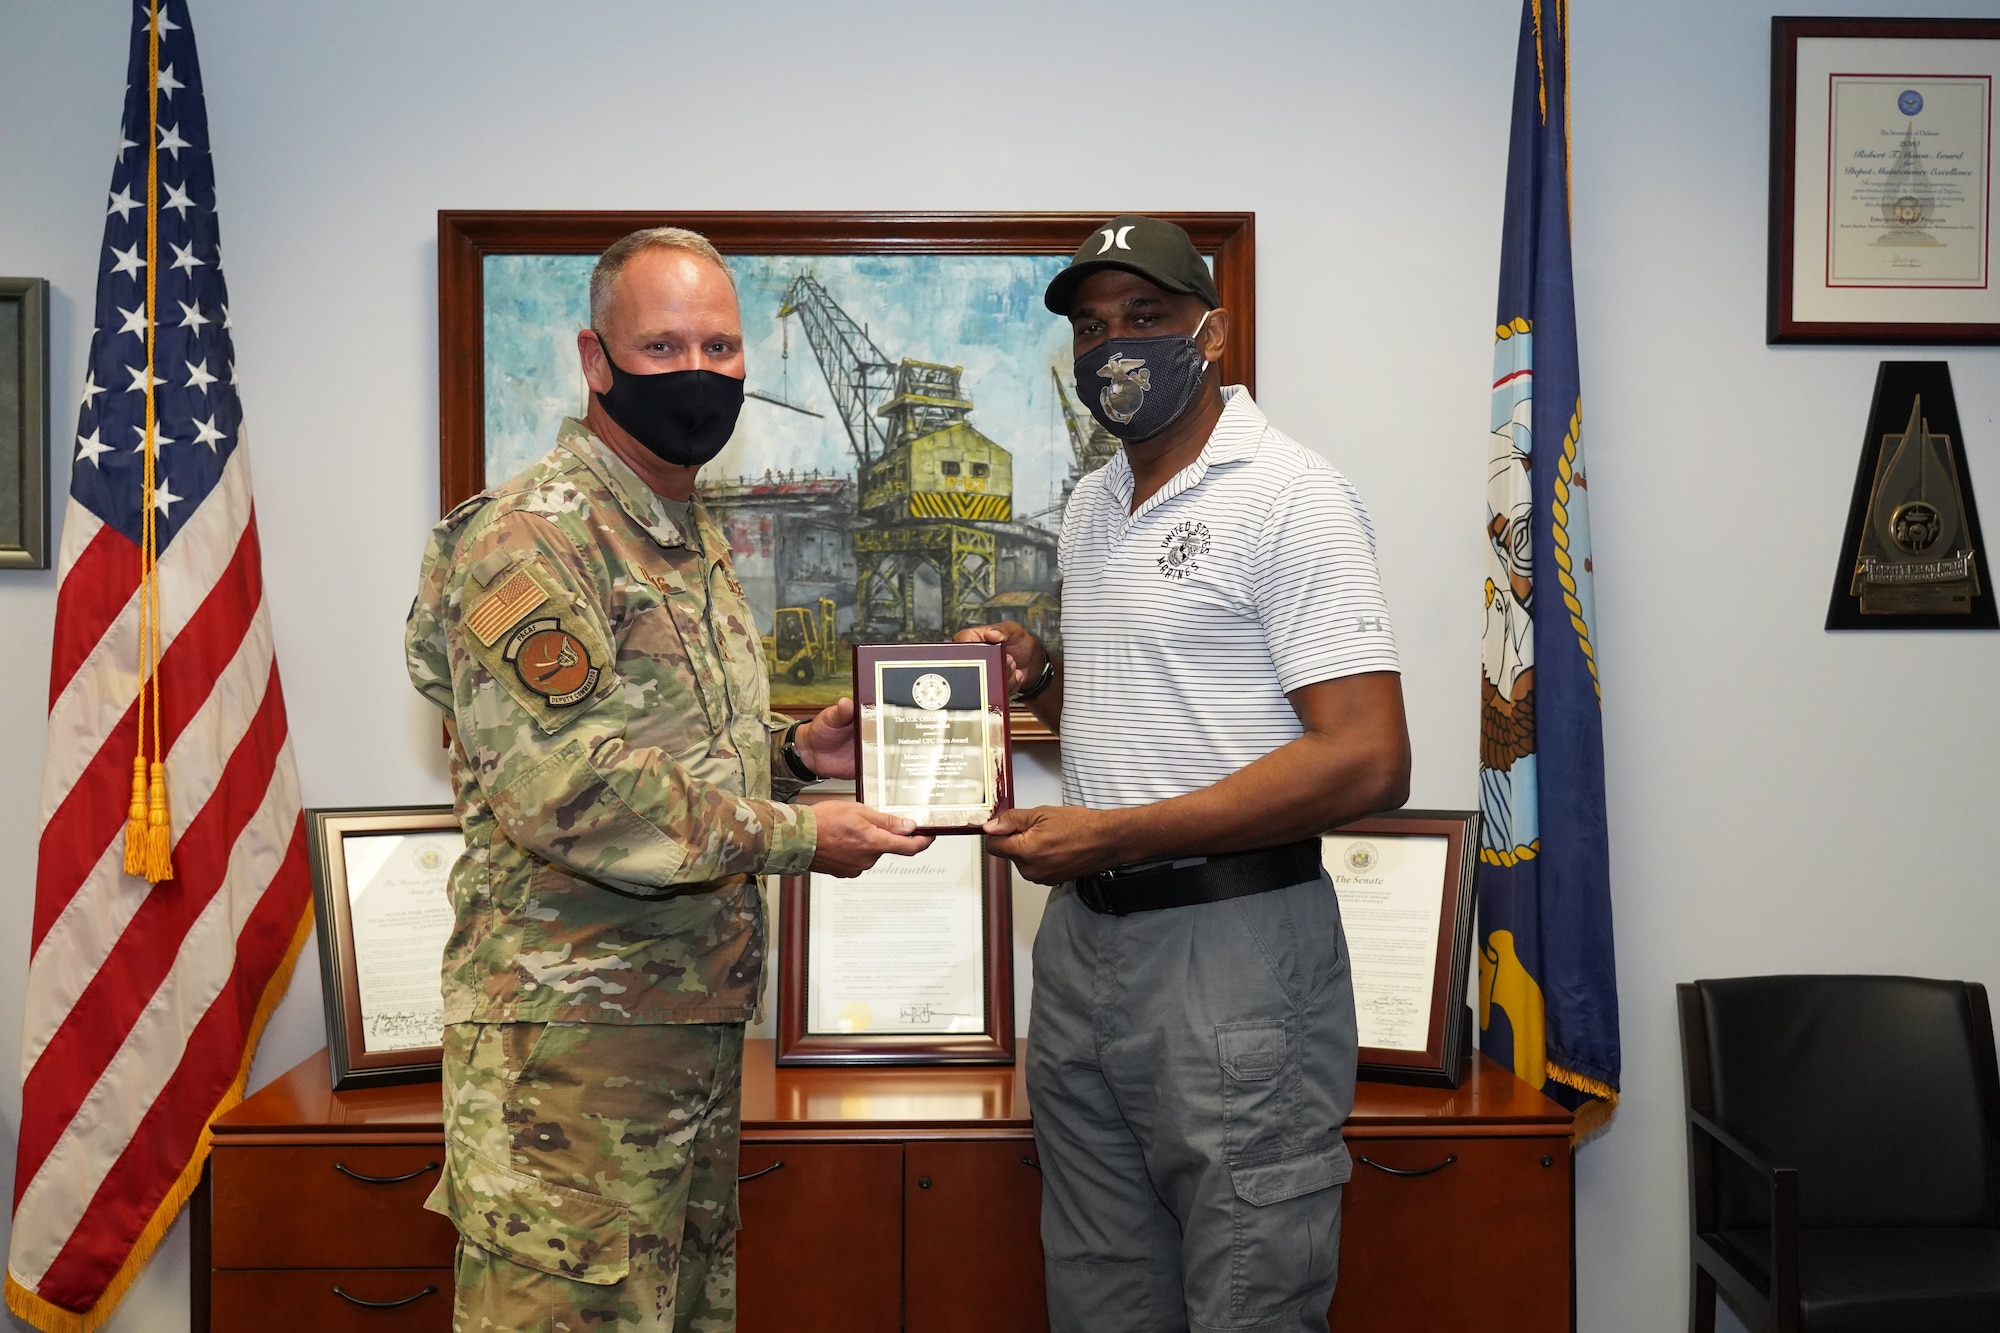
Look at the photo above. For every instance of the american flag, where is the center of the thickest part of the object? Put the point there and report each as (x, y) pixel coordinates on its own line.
(145, 1000)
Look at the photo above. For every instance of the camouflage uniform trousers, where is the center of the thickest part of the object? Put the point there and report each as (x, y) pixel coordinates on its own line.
(591, 1171)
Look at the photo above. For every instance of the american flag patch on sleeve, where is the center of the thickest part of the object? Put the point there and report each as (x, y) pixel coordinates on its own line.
(502, 609)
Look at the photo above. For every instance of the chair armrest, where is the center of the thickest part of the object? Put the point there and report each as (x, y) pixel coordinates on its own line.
(1750, 1152)
(1783, 1290)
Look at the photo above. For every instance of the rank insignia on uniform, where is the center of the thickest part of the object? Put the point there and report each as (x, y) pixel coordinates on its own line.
(503, 608)
(552, 662)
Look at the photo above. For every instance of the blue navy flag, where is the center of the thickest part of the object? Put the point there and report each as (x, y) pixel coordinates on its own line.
(172, 885)
(1548, 989)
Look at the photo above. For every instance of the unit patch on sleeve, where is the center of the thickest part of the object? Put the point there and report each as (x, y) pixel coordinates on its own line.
(503, 608)
(552, 662)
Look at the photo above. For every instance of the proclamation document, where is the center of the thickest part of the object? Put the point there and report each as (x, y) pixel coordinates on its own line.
(402, 915)
(1391, 893)
(900, 948)
(1907, 186)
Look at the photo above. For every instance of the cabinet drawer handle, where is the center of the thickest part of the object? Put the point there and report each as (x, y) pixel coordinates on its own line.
(1409, 1171)
(765, 1172)
(382, 1305)
(385, 1180)
(1029, 1161)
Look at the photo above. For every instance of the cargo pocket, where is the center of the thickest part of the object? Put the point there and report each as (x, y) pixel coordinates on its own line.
(1287, 1224)
(1259, 1088)
(1290, 1177)
(549, 1228)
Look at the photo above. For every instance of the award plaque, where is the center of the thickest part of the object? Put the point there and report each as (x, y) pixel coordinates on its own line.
(1911, 557)
(931, 743)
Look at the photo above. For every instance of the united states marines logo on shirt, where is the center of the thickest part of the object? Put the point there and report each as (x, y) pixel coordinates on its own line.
(1180, 552)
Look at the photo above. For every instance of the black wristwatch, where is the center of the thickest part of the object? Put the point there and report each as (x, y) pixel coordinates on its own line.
(793, 760)
(1041, 682)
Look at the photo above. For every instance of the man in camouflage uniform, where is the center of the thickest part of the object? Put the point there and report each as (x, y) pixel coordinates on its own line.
(614, 761)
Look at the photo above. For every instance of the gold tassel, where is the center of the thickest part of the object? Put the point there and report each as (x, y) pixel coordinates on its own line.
(135, 820)
(159, 837)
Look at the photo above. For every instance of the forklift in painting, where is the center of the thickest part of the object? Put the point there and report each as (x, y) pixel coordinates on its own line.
(803, 645)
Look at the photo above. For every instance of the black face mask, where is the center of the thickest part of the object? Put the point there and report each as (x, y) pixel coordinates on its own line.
(1137, 387)
(683, 416)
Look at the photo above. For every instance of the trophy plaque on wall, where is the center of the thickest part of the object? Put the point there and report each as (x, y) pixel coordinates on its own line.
(1912, 557)
(931, 741)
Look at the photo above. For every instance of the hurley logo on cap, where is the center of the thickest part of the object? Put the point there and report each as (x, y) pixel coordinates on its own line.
(1116, 236)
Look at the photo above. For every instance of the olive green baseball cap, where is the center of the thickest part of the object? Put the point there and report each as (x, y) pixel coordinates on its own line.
(1153, 248)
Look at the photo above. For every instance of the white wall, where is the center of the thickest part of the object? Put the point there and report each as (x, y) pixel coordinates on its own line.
(1781, 799)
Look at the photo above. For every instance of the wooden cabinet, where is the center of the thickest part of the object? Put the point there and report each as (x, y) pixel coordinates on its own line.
(968, 1208)
(1493, 1212)
(829, 1217)
(878, 1200)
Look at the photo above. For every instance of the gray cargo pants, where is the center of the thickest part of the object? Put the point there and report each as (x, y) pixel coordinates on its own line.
(1190, 1070)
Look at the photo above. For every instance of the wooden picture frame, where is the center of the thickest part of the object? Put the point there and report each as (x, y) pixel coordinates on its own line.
(1833, 279)
(1381, 944)
(354, 1060)
(798, 1044)
(806, 651)
(24, 423)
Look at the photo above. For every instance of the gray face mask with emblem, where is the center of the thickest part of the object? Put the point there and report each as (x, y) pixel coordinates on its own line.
(1137, 387)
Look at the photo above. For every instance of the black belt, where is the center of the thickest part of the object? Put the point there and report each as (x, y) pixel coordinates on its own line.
(1198, 879)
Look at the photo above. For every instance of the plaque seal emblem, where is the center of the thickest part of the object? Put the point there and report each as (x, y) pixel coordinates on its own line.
(1361, 857)
(931, 691)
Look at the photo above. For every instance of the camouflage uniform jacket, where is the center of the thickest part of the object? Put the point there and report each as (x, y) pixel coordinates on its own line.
(612, 752)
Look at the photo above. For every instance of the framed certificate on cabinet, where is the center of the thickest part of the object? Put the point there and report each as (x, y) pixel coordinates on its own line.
(1882, 183)
(380, 892)
(908, 963)
(1405, 882)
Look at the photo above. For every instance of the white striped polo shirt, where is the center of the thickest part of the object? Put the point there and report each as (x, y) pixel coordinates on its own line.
(1248, 575)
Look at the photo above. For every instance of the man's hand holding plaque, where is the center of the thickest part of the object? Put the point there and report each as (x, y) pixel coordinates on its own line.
(851, 837)
(931, 743)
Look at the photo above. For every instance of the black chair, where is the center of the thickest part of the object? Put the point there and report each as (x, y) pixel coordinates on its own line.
(1843, 1154)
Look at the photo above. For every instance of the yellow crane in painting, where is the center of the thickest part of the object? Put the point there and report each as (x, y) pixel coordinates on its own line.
(925, 476)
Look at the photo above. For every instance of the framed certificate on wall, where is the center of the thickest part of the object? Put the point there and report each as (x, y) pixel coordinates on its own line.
(1405, 882)
(1882, 183)
(380, 893)
(908, 963)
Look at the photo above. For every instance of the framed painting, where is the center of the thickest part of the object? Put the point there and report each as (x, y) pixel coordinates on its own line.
(910, 963)
(1882, 183)
(24, 423)
(909, 436)
(384, 916)
(1405, 882)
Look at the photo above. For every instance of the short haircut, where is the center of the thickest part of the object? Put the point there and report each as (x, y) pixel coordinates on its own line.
(604, 278)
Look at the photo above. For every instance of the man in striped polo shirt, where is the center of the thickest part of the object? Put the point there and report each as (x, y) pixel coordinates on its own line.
(1228, 691)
